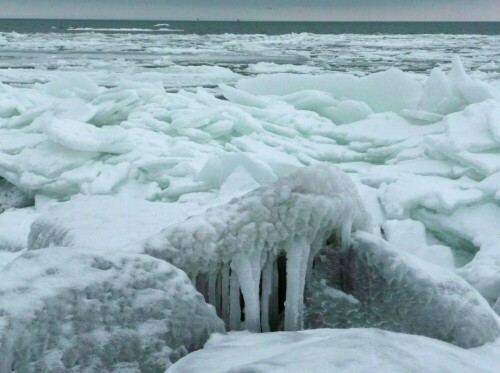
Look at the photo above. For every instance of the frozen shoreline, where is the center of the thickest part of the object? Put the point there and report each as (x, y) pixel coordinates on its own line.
(114, 175)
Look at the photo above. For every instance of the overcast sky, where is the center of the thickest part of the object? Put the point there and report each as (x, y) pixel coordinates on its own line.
(469, 10)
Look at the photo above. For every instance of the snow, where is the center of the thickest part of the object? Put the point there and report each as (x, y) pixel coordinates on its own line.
(255, 185)
(327, 350)
(102, 223)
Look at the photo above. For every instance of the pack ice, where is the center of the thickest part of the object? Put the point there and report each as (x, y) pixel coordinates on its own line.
(112, 198)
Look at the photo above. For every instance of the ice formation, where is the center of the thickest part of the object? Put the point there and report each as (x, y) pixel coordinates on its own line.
(372, 284)
(73, 310)
(236, 247)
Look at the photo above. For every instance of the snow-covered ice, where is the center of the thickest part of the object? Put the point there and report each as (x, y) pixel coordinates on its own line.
(332, 350)
(119, 189)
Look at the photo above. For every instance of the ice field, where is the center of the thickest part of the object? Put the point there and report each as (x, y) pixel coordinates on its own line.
(340, 191)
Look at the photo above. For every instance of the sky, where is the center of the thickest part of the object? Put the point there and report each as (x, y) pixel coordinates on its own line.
(272, 10)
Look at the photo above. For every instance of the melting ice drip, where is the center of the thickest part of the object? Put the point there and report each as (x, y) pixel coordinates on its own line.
(239, 248)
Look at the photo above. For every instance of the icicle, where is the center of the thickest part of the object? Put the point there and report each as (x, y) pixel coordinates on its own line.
(218, 293)
(201, 285)
(346, 232)
(234, 305)
(248, 270)
(274, 302)
(297, 259)
(193, 277)
(225, 294)
(267, 284)
(212, 278)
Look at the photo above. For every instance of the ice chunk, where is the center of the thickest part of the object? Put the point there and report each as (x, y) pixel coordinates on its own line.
(477, 226)
(410, 236)
(390, 90)
(399, 292)
(71, 84)
(472, 90)
(408, 193)
(86, 137)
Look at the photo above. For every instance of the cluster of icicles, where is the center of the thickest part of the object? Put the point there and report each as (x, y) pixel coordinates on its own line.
(235, 254)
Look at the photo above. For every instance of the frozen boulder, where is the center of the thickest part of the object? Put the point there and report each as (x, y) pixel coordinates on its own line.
(266, 239)
(371, 284)
(73, 311)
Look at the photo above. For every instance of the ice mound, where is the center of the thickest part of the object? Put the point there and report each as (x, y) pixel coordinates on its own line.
(372, 284)
(332, 350)
(75, 310)
(237, 246)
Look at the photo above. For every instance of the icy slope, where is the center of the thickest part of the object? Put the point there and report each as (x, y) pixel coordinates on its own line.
(331, 350)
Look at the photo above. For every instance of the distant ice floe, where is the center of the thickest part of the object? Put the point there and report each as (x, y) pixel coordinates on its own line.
(116, 197)
(29, 58)
(100, 29)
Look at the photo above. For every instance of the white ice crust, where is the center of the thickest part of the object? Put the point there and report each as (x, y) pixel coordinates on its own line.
(327, 350)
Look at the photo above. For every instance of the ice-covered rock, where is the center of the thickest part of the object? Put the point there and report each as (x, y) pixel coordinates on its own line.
(77, 310)
(372, 284)
(334, 350)
(237, 246)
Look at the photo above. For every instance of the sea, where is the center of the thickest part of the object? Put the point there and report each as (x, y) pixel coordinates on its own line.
(246, 27)
(190, 54)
